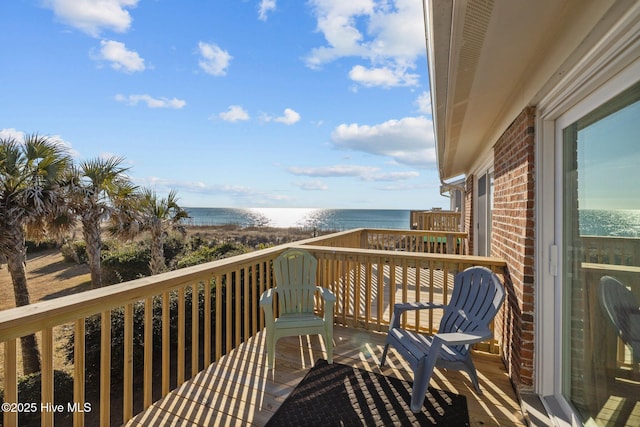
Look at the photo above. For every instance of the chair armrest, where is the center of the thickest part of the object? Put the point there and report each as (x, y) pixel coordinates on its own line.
(267, 296)
(402, 307)
(399, 309)
(329, 300)
(266, 302)
(326, 294)
(461, 338)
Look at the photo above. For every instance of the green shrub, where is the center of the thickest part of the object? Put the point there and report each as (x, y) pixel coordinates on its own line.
(33, 247)
(206, 254)
(30, 392)
(127, 262)
(173, 247)
(75, 252)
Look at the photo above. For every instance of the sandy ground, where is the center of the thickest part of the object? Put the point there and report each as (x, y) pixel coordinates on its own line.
(48, 276)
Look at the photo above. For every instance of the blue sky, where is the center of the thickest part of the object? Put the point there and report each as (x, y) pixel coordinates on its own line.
(235, 103)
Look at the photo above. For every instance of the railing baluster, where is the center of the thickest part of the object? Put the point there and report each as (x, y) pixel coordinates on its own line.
(405, 288)
(127, 404)
(195, 320)
(431, 294)
(254, 305)
(207, 322)
(181, 336)
(78, 372)
(10, 418)
(166, 345)
(246, 295)
(219, 319)
(392, 287)
(105, 368)
(228, 311)
(380, 291)
(237, 294)
(46, 376)
(148, 352)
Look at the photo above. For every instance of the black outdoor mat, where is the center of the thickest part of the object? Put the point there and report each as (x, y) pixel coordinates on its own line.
(339, 395)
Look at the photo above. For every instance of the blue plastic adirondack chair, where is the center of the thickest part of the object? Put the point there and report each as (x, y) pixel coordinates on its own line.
(622, 308)
(295, 271)
(476, 298)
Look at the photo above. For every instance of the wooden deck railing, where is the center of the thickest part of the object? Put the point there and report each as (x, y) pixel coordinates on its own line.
(223, 313)
(435, 220)
(423, 241)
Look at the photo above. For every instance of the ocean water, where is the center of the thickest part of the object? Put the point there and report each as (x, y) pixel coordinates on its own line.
(320, 219)
(620, 223)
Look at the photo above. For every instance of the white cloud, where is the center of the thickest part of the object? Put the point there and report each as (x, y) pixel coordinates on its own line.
(315, 185)
(365, 173)
(214, 60)
(151, 101)
(424, 103)
(241, 194)
(383, 76)
(234, 114)
(289, 117)
(11, 133)
(120, 57)
(265, 7)
(93, 16)
(334, 171)
(388, 34)
(408, 141)
(8, 133)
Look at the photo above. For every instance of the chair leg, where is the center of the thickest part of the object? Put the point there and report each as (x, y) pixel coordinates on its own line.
(384, 355)
(473, 374)
(328, 341)
(271, 350)
(421, 379)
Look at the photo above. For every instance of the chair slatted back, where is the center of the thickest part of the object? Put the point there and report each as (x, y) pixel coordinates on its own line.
(476, 298)
(295, 271)
(622, 307)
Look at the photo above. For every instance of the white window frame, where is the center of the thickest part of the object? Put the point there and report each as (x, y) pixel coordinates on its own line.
(484, 168)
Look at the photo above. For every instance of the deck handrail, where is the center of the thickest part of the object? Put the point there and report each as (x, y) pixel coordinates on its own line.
(366, 281)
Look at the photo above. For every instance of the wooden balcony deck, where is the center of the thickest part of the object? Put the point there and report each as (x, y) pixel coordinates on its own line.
(240, 390)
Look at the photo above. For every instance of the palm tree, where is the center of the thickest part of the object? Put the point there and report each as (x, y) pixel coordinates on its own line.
(30, 206)
(158, 216)
(97, 190)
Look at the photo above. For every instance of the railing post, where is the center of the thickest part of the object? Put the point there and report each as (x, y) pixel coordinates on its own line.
(364, 239)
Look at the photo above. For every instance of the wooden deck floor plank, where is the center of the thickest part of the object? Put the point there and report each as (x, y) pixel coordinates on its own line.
(240, 389)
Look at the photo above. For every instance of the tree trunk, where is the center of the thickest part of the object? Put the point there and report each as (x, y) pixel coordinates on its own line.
(157, 262)
(16, 264)
(93, 240)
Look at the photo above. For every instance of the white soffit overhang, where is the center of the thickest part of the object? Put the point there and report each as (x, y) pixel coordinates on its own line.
(487, 61)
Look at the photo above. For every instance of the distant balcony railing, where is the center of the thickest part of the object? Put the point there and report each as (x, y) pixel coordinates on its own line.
(611, 250)
(435, 220)
(223, 313)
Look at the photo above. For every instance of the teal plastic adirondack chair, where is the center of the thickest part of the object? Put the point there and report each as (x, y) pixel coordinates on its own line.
(622, 308)
(296, 289)
(476, 298)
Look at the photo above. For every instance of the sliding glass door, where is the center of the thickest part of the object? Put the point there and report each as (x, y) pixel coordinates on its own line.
(601, 238)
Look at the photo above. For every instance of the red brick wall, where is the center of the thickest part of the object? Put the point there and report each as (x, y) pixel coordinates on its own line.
(512, 239)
